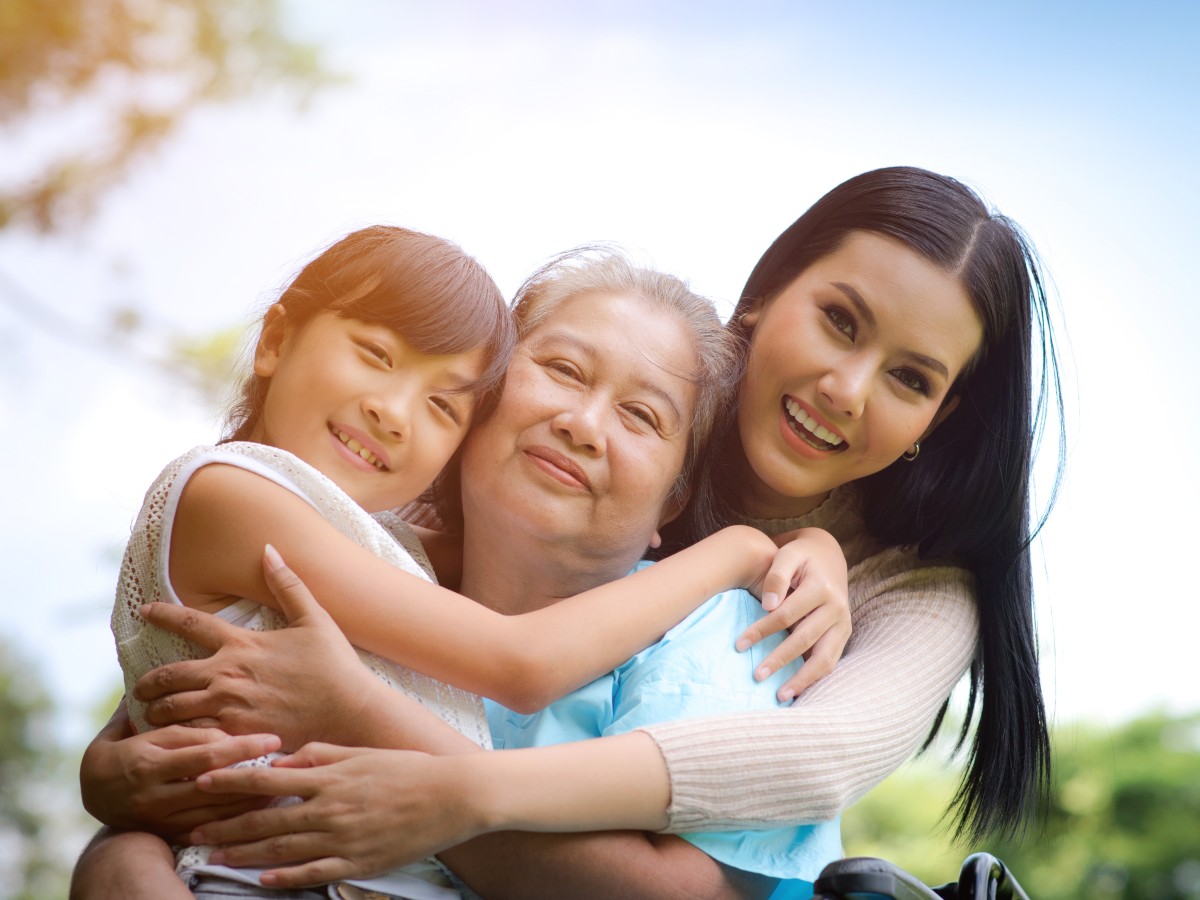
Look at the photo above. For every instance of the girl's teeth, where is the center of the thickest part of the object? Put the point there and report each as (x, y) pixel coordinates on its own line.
(356, 447)
(810, 424)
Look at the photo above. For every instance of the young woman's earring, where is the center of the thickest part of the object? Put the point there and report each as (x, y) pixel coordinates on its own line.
(910, 455)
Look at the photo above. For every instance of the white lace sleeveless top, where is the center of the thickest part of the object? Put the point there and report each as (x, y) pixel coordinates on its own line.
(145, 577)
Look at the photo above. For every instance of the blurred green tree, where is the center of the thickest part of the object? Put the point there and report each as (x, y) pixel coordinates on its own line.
(30, 772)
(1124, 820)
(87, 87)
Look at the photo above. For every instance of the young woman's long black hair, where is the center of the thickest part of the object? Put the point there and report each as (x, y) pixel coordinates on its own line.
(968, 497)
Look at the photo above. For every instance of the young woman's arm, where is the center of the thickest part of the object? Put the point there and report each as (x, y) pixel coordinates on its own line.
(227, 514)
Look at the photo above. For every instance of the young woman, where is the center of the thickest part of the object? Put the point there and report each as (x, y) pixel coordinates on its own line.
(888, 397)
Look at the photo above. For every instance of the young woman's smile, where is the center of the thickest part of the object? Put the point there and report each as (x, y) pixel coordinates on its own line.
(850, 365)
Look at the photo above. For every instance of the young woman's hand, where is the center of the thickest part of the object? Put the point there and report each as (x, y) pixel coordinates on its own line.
(147, 781)
(805, 590)
(304, 682)
(364, 811)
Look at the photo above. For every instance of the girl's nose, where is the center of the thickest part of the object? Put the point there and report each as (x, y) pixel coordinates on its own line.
(390, 414)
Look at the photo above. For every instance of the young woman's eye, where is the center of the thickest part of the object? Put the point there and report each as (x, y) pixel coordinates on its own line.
(912, 380)
(841, 320)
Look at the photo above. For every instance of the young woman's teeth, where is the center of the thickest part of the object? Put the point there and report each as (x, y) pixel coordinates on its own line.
(356, 447)
(809, 424)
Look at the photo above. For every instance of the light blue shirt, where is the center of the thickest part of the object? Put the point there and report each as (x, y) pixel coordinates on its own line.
(693, 671)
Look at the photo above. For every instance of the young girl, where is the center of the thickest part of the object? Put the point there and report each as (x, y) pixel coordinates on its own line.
(361, 393)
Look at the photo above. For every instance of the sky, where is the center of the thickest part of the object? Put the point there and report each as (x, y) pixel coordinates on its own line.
(692, 134)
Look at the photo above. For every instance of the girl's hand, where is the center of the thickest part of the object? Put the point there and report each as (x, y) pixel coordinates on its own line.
(363, 812)
(147, 781)
(303, 682)
(805, 590)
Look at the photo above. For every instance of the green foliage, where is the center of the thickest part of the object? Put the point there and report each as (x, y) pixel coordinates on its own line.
(136, 66)
(28, 767)
(1124, 819)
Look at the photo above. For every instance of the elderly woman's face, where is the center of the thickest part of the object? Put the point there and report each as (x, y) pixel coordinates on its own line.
(592, 428)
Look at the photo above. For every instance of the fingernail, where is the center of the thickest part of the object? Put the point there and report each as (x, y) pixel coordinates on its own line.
(274, 560)
(786, 695)
(742, 644)
(762, 673)
(770, 600)
(217, 857)
(269, 878)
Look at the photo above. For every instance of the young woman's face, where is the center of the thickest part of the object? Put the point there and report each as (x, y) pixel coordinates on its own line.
(591, 430)
(362, 406)
(849, 366)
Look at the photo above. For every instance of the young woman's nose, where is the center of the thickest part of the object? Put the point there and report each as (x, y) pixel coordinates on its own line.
(845, 386)
(582, 423)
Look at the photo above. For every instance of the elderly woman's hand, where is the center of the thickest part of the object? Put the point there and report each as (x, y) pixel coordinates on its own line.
(304, 682)
(147, 781)
(805, 590)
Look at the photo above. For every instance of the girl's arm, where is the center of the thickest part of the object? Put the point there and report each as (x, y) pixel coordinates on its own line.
(432, 803)
(227, 514)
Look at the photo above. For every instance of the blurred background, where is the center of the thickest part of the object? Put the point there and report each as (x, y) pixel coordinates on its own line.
(166, 165)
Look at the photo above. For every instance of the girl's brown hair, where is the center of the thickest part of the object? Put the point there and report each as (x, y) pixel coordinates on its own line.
(423, 287)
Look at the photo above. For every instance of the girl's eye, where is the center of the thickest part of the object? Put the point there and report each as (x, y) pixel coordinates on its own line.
(841, 320)
(377, 351)
(447, 409)
(912, 380)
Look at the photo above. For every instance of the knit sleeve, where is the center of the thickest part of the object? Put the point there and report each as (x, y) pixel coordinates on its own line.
(915, 630)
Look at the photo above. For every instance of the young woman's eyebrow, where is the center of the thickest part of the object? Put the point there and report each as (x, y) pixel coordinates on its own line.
(863, 310)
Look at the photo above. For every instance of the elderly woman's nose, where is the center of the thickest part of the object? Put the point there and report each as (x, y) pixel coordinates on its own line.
(582, 424)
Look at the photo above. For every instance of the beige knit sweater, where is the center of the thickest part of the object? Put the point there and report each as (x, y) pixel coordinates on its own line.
(915, 629)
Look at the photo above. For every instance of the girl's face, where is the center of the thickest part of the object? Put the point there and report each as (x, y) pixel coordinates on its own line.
(358, 403)
(591, 430)
(849, 365)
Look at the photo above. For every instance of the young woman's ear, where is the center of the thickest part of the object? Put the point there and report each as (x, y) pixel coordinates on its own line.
(270, 343)
(948, 407)
(750, 316)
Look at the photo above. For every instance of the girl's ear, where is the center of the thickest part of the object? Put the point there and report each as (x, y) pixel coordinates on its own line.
(275, 330)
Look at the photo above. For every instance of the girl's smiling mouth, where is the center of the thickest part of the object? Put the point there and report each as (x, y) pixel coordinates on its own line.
(809, 429)
(357, 448)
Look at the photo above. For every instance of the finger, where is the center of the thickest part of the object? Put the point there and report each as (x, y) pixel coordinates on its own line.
(194, 708)
(260, 780)
(316, 753)
(799, 642)
(256, 826)
(186, 675)
(318, 871)
(294, 598)
(787, 615)
(180, 824)
(192, 762)
(820, 663)
(200, 628)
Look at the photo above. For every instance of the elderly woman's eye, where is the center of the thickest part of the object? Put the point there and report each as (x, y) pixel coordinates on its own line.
(562, 368)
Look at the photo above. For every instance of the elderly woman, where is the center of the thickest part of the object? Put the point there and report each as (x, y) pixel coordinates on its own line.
(887, 398)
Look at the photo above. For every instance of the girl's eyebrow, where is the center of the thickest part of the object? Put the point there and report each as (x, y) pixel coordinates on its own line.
(860, 305)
